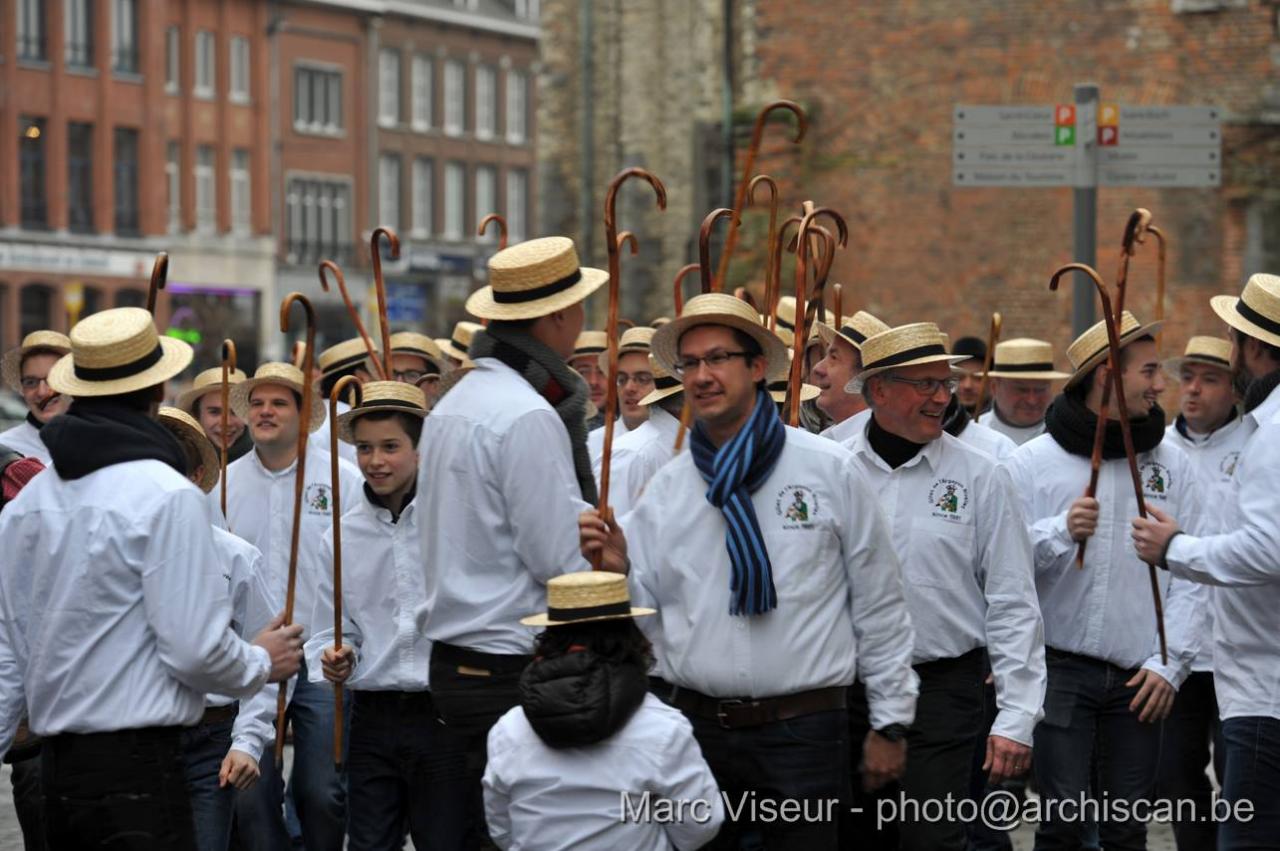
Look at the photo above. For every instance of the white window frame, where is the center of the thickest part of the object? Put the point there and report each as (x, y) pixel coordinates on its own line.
(241, 187)
(517, 205)
(485, 185)
(517, 117)
(486, 101)
(124, 32)
(172, 59)
(389, 183)
(330, 76)
(455, 97)
(173, 180)
(205, 85)
(77, 21)
(455, 200)
(423, 197)
(239, 57)
(388, 87)
(206, 190)
(423, 92)
(528, 9)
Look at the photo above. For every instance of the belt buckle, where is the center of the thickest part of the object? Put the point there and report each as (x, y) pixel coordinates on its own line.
(722, 714)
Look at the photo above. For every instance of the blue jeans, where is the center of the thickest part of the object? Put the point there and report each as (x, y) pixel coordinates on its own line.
(1184, 756)
(1252, 774)
(204, 746)
(319, 791)
(1090, 745)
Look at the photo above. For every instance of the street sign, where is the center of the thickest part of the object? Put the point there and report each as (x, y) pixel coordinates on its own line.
(1029, 176)
(1160, 177)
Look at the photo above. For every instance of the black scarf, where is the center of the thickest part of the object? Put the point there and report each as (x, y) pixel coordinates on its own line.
(240, 446)
(955, 419)
(895, 450)
(1072, 424)
(579, 698)
(97, 433)
(551, 377)
(1259, 389)
(35, 423)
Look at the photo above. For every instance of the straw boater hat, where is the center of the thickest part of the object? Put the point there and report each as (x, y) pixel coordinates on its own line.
(718, 309)
(637, 339)
(854, 329)
(1209, 351)
(1024, 358)
(664, 383)
(778, 387)
(35, 343)
(589, 344)
(382, 396)
(284, 375)
(117, 351)
(592, 595)
(1090, 348)
(188, 431)
(457, 345)
(417, 345)
(787, 319)
(208, 381)
(342, 356)
(907, 345)
(534, 278)
(1256, 312)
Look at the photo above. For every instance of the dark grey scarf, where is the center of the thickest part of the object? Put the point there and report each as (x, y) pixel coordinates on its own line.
(549, 375)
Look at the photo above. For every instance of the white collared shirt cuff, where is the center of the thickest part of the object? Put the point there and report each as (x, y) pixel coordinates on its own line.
(1173, 673)
(249, 745)
(1014, 725)
(899, 710)
(263, 674)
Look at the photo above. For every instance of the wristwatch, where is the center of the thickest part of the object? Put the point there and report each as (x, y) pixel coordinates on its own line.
(893, 732)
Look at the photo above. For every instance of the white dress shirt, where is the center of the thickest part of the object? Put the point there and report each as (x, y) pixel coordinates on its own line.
(595, 439)
(843, 431)
(260, 510)
(1018, 434)
(113, 605)
(966, 568)
(538, 797)
(323, 434)
(382, 590)
(1105, 610)
(632, 468)
(25, 438)
(1214, 457)
(499, 503)
(840, 612)
(976, 435)
(1246, 565)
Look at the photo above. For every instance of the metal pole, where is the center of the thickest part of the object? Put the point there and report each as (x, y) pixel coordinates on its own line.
(1085, 207)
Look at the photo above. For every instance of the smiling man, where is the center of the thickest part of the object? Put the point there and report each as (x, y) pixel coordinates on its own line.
(635, 380)
(26, 372)
(1022, 376)
(204, 402)
(841, 364)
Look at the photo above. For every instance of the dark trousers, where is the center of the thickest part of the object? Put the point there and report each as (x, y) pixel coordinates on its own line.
(1184, 756)
(124, 791)
(802, 759)
(204, 747)
(1252, 773)
(27, 801)
(949, 714)
(983, 837)
(859, 827)
(403, 763)
(1091, 745)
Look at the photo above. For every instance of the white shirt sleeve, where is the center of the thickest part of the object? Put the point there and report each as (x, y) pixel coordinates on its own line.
(13, 640)
(1050, 540)
(497, 793)
(253, 725)
(687, 777)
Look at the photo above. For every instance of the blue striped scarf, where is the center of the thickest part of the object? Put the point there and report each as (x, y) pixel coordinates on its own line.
(732, 472)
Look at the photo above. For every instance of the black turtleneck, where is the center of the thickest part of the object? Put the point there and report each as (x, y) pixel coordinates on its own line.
(35, 423)
(895, 450)
(374, 499)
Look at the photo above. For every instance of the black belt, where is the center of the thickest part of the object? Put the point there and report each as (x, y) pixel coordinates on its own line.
(490, 663)
(219, 714)
(974, 657)
(733, 713)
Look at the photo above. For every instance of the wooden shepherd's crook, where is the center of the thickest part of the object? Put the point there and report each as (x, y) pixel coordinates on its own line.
(802, 318)
(613, 244)
(1117, 386)
(748, 168)
(228, 367)
(335, 485)
(709, 284)
(993, 337)
(686, 412)
(677, 286)
(299, 479)
(775, 264)
(770, 278)
(374, 245)
(1162, 250)
(159, 275)
(837, 304)
(330, 266)
(502, 228)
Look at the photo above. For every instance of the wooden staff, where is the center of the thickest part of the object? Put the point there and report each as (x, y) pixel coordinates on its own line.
(748, 168)
(502, 228)
(686, 412)
(330, 266)
(993, 337)
(159, 276)
(704, 245)
(228, 367)
(374, 247)
(837, 293)
(300, 472)
(677, 286)
(742, 294)
(613, 244)
(801, 279)
(1110, 318)
(770, 274)
(775, 263)
(335, 485)
(1162, 248)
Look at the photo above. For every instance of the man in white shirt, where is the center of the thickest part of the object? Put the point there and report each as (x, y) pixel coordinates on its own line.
(967, 574)
(26, 370)
(774, 588)
(1021, 376)
(416, 360)
(1243, 566)
(635, 380)
(114, 617)
(260, 495)
(204, 402)
(638, 454)
(1108, 685)
(840, 365)
(586, 362)
(350, 357)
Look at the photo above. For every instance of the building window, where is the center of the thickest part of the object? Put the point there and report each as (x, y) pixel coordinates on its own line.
(455, 86)
(131, 298)
(80, 177)
(317, 100)
(31, 164)
(389, 191)
(124, 36)
(172, 60)
(455, 181)
(517, 205)
(389, 87)
(32, 39)
(78, 20)
(126, 181)
(35, 303)
(239, 69)
(486, 102)
(517, 108)
(486, 196)
(318, 222)
(206, 190)
(423, 192)
(206, 65)
(173, 180)
(241, 197)
(423, 92)
(527, 9)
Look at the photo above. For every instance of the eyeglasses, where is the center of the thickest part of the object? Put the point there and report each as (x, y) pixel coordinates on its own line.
(409, 376)
(31, 383)
(928, 386)
(644, 379)
(715, 360)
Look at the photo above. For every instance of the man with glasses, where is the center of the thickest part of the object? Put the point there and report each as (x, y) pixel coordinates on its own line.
(966, 563)
(416, 360)
(775, 583)
(26, 371)
(635, 380)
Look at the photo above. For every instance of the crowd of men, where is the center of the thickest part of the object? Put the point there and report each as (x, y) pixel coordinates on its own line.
(770, 632)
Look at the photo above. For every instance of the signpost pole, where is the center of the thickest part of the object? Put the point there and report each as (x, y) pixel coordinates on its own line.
(1085, 207)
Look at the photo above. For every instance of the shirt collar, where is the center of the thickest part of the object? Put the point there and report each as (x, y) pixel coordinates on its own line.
(273, 474)
(380, 509)
(928, 454)
(1269, 410)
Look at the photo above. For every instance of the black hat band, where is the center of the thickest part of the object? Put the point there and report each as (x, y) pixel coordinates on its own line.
(622, 607)
(1264, 322)
(520, 296)
(124, 370)
(906, 355)
(1022, 367)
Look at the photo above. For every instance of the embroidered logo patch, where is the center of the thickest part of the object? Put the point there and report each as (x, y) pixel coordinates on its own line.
(948, 498)
(1156, 480)
(317, 498)
(797, 506)
(1228, 464)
